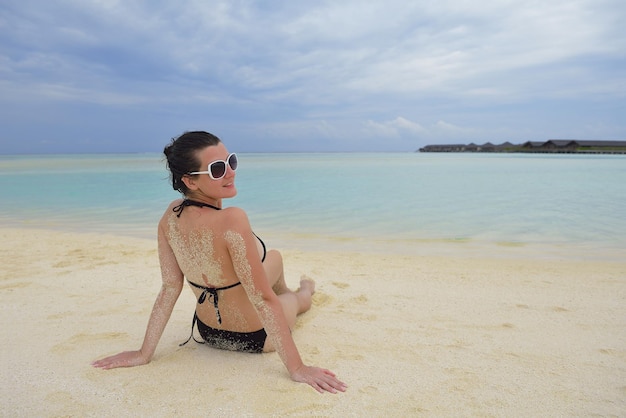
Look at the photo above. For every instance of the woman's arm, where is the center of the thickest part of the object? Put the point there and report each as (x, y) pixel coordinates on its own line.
(249, 269)
(170, 291)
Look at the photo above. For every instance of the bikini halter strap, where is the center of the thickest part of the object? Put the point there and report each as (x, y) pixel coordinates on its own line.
(188, 202)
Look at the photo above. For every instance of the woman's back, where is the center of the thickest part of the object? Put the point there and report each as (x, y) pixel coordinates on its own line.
(198, 239)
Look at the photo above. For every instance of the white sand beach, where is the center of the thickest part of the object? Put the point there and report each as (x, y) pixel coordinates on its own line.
(411, 336)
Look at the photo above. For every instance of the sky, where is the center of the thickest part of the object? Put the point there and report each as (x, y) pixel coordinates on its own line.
(107, 76)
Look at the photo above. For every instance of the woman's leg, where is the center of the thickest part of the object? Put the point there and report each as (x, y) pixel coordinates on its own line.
(274, 271)
(295, 303)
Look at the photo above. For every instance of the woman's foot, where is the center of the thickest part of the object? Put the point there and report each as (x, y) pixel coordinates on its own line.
(307, 284)
(305, 293)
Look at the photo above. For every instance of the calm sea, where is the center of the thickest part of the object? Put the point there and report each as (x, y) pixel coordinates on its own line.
(413, 203)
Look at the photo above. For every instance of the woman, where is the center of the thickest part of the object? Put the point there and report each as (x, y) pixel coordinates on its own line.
(243, 301)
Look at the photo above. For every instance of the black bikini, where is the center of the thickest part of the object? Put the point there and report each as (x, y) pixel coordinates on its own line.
(251, 342)
(179, 209)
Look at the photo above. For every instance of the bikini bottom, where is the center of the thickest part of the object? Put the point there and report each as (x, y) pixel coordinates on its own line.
(248, 342)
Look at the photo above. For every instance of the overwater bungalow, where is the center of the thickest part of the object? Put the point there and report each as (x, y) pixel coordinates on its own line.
(549, 146)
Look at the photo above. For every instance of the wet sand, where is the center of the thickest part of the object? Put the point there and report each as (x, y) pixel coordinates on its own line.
(411, 335)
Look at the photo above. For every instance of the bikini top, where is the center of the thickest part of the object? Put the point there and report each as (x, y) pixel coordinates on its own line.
(211, 292)
(178, 210)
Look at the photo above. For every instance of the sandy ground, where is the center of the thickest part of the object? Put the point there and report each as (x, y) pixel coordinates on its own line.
(412, 336)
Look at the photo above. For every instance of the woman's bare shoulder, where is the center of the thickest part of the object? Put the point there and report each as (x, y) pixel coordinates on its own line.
(236, 216)
(168, 212)
(173, 204)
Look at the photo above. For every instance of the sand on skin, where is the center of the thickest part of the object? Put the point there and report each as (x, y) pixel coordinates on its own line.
(412, 336)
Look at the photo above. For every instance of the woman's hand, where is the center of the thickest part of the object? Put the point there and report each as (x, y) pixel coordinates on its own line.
(320, 379)
(125, 359)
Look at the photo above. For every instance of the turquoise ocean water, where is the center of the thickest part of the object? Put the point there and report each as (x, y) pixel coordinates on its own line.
(414, 203)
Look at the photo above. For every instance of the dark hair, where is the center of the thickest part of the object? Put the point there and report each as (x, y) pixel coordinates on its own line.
(182, 155)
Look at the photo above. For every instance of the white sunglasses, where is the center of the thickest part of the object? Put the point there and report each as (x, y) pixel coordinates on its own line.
(217, 169)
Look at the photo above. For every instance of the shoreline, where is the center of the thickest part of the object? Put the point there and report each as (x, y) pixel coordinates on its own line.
(425, 335)
(374, 245)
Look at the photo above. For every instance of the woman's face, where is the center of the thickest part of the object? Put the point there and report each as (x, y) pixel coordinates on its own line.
(220, 188)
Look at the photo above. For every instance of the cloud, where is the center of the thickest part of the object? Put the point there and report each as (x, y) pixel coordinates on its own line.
(396, 127)
(325, 69)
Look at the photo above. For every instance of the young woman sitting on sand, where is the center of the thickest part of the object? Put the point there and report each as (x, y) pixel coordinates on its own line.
(243, 301)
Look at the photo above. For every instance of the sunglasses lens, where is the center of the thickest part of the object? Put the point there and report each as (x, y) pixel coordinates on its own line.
(232, 161)
(217, 169)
